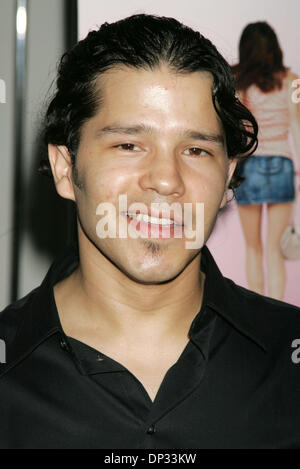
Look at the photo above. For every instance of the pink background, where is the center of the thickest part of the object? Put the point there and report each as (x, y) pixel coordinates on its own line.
(222, 22)
(228, 248)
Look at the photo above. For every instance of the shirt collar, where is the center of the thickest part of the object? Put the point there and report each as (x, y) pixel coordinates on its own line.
(236, 304)
(221, 295)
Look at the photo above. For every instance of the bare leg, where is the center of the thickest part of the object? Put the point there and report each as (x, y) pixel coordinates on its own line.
(279, 216)
(251, 217)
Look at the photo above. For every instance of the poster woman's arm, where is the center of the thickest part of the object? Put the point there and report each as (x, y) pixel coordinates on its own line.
(294, 111)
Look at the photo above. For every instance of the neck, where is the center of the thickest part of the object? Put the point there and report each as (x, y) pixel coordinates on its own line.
(107, 300)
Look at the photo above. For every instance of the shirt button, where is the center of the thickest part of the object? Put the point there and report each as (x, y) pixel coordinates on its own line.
(63, 344)
(151, 430)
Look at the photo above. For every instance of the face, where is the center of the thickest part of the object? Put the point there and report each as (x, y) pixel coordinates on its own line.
(155, 139)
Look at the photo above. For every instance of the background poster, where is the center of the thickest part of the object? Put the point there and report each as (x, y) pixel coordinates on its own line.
(222, 22)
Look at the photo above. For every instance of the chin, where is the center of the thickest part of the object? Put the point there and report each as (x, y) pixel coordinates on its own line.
(151, 271)
(151, 278)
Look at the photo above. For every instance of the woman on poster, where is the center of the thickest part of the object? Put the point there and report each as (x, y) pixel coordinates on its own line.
(265, 86)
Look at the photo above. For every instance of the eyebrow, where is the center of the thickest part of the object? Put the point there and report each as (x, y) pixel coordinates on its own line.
(141, 128)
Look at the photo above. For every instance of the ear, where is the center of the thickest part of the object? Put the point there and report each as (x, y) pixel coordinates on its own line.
(61, 167)
(232, 165)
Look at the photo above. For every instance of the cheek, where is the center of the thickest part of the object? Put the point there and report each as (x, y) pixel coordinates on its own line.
(209, 186)
(106, 184)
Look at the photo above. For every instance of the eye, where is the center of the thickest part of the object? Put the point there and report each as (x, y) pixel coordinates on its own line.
(195, 151)
(128, 147)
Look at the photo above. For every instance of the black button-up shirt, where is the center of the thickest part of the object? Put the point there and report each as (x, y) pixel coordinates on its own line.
(235, 385)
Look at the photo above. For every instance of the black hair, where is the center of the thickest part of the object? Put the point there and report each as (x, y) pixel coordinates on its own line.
(261, 58)
(143, 42)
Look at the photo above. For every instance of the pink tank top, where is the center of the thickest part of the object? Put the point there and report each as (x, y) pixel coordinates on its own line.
(272, 115)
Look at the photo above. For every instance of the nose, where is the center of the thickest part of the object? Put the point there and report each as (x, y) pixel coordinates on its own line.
(162, 175)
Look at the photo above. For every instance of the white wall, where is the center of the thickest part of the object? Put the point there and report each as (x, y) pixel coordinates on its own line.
(46, 43)
(7, 45)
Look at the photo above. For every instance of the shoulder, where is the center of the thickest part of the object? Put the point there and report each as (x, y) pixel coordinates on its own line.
(291, 76)
(292, 80)
(12, 317)
(264, 304)
(277, 321)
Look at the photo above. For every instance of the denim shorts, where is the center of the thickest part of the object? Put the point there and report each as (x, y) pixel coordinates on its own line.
(268, 179)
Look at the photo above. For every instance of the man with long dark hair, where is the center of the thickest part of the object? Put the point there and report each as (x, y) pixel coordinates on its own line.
(135, 339)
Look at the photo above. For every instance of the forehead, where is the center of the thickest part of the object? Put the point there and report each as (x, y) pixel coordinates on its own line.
(160, 95)
(158, 83)
(162, 73)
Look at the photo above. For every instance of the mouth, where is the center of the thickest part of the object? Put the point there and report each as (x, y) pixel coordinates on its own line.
(153, 220)
(154, 227)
